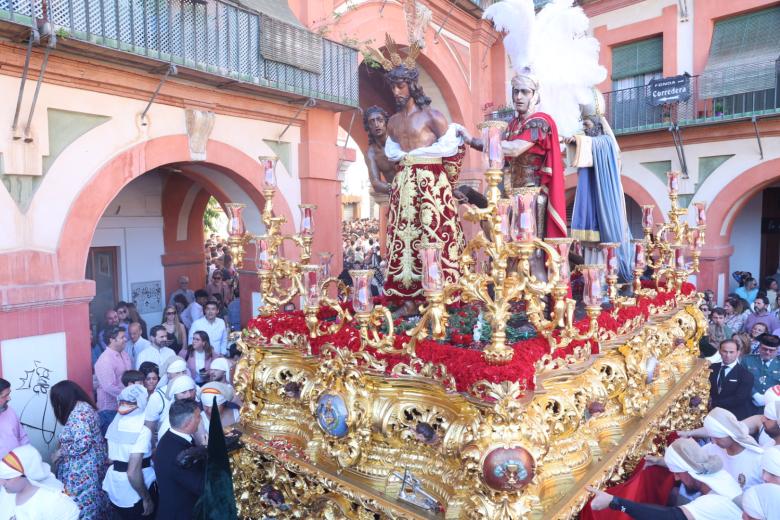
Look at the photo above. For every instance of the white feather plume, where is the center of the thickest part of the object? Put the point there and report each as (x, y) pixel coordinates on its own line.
(555, 46)
(516, 19)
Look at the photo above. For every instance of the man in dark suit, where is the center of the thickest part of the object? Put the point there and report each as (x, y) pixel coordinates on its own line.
(179, 486)
(730, 382)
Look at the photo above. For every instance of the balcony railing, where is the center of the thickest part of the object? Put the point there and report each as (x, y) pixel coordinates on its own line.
(723, 96)
(213, 37)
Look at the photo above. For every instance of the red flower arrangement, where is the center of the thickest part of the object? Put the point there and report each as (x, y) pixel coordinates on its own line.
(466, 365)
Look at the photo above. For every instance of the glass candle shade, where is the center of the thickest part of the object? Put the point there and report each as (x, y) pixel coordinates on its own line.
(610, 257)
(592, 293)
(492, 135)
(699, 241)
(432, 276)
(673, 179)
(502, 208)
(701, 213)
(362, 300)
(268, 170)
(311, 275)
(524, 210)
(562, 247)
(640, 260)
(325, 258)
(234, 212)
(307, 219)
(262, 253)
(647, 216)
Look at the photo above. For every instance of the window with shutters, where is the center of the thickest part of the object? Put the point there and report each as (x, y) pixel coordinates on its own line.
(633, 66)
(743, 56)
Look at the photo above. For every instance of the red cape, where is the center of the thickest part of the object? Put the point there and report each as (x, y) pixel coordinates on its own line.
(554, 182)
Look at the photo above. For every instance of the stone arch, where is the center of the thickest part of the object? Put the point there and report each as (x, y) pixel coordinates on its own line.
(438, 61)
(730, 200)
(89, 205)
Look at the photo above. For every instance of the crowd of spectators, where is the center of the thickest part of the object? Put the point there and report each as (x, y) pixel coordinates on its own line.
(117, 450)
(362, 251)
(118, 456)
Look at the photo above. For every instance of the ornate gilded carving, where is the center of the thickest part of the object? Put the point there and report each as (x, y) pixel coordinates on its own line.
(332, 436)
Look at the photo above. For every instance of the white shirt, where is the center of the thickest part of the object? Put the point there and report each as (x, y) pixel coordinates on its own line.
(155, 355)
(745, 467)
(200, 360)
(116, 484)
(216, 331)
(133, 349)
(156, 405)
(45, 504)
(191, 313)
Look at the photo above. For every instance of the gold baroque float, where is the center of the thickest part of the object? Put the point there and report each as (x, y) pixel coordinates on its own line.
(335, 437)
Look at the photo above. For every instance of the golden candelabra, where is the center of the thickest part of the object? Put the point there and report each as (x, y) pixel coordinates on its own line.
(513, 247)
(664, 250)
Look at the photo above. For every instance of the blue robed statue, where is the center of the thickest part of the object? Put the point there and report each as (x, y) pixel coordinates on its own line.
(599, 213)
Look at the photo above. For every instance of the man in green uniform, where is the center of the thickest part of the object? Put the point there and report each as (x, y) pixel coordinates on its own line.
(765, 367)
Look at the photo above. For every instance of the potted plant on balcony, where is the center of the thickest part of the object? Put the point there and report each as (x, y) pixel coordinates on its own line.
(717, 108)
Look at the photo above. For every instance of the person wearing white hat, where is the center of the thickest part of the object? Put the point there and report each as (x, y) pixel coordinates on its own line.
(29, 491)
(174, 368)
(220, 371)
(181, 388)
(761, 502)
(700, 472)
(740, 453)
(766, 425)
(222, 393)
(128, 481)
(770, 465)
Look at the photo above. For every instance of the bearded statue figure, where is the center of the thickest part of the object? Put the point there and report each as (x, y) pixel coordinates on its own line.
(428, 154)
(599, 213)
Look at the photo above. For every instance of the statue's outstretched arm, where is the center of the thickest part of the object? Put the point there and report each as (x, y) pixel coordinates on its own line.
(516, 147)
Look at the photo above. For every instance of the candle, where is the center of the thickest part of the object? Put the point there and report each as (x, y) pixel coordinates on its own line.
(362, 300)
(524, 208)
(674, 182)
(610, 257)
(235, 219)
(325, 258)
(647, 216)
(592, 292)
(701, 213)
(268, 165)
(562, 247)
(433, 279)
(699, 241)
(492, 134)
(502, 208)
(307, 219)
(640, 261)
(311, 284)
(263, 256)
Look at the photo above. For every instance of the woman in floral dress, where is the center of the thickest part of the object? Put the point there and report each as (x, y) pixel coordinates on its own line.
(81, 459)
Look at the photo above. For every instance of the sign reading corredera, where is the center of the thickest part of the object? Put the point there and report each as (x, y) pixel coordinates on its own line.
(664, 91)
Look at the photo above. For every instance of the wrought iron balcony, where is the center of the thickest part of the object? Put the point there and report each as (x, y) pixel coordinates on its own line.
(734, 93)
(212, 41)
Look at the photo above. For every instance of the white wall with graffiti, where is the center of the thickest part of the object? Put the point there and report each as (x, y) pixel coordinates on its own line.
(33, 365)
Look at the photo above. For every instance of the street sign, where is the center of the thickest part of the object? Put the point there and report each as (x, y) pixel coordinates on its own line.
(664, 91)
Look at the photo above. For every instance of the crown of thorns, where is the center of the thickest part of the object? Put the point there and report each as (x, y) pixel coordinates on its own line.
(394, 59)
